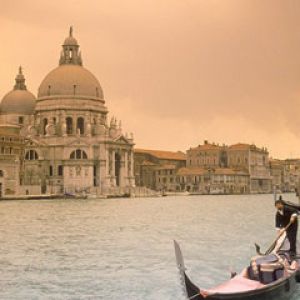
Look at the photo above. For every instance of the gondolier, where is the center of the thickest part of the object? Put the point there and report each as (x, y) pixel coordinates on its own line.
(287, 216)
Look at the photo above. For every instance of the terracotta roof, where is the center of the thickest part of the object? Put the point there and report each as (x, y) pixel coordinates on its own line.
(163, 154)
(276, 161)
(293, 160)
(190, 171)
(239, 146)
(148, 163)
(228, 171)
(206, 147)
(164, 167)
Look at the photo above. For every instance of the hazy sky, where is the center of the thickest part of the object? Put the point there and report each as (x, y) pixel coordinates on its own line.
(175, 72)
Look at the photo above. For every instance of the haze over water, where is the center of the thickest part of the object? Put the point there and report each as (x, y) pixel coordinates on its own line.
(123, 248)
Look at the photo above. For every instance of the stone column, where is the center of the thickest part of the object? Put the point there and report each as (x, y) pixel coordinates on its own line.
(126, 171)
(87, 124)
(132, 178)
(106, 173)
(107, 162)
(113, 174)
(74, 119)
(62, 124)
(131, 164)
(122, 169)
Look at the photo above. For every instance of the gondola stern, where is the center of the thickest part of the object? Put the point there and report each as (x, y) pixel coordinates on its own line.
(191, 291)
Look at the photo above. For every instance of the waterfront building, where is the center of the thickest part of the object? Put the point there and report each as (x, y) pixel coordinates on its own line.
(11, 159)
(207, 156)
(285, 174)
(253, 160)
(277, 174)
(213, 181)
(239, 159)
(156, 169)
(291, 175)
(209, 168)
(71, 146)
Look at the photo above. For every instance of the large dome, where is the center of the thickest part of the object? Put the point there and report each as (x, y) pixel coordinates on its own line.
(18, 102)
(70, 80)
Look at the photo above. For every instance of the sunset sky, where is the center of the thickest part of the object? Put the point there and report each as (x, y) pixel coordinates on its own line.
(175, 72)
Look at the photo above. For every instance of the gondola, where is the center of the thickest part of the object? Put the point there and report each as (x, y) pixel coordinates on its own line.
(269, 277)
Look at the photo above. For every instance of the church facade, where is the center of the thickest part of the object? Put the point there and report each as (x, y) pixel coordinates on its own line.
(70, 146)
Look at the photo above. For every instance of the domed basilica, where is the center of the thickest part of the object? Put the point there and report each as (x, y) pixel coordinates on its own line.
(69, 145)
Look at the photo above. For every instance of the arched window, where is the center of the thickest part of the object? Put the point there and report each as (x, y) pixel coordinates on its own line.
(78, 154)
(31, 155)
(80, 125)
(69, 123)
(45, 122)
(1, 173)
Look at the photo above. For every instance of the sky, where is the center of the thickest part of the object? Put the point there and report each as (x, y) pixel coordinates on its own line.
(176, 72)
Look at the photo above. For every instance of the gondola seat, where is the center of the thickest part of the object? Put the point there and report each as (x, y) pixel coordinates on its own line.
(265, 269)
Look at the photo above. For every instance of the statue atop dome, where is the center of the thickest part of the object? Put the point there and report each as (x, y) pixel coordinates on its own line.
(70, 53)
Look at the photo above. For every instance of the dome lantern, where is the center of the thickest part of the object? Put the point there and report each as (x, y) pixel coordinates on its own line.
(20, 81)
(70, 53)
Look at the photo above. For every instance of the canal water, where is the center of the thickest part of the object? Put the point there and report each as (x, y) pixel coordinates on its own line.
(123, 248)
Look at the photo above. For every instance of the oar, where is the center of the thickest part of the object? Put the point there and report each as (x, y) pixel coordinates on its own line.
(278, 237)
(270, 249)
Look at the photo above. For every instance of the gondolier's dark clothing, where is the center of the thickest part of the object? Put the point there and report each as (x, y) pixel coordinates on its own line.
(282, 220)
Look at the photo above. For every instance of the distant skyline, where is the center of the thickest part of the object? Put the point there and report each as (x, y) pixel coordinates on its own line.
(174, 72)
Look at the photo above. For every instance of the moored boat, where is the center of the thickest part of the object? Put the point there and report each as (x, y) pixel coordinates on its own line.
(270, 277)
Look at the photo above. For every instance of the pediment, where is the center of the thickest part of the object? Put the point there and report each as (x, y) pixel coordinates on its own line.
(77, 142)
(32, 142)
(122, 140)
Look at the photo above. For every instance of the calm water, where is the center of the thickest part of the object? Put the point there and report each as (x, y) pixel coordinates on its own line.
(123, 248)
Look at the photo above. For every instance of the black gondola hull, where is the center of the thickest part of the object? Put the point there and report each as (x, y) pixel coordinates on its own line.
(279, 290)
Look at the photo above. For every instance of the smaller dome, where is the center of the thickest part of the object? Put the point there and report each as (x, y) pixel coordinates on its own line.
(18, 102)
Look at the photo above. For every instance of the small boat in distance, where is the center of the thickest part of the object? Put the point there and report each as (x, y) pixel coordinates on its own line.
(268, 277)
